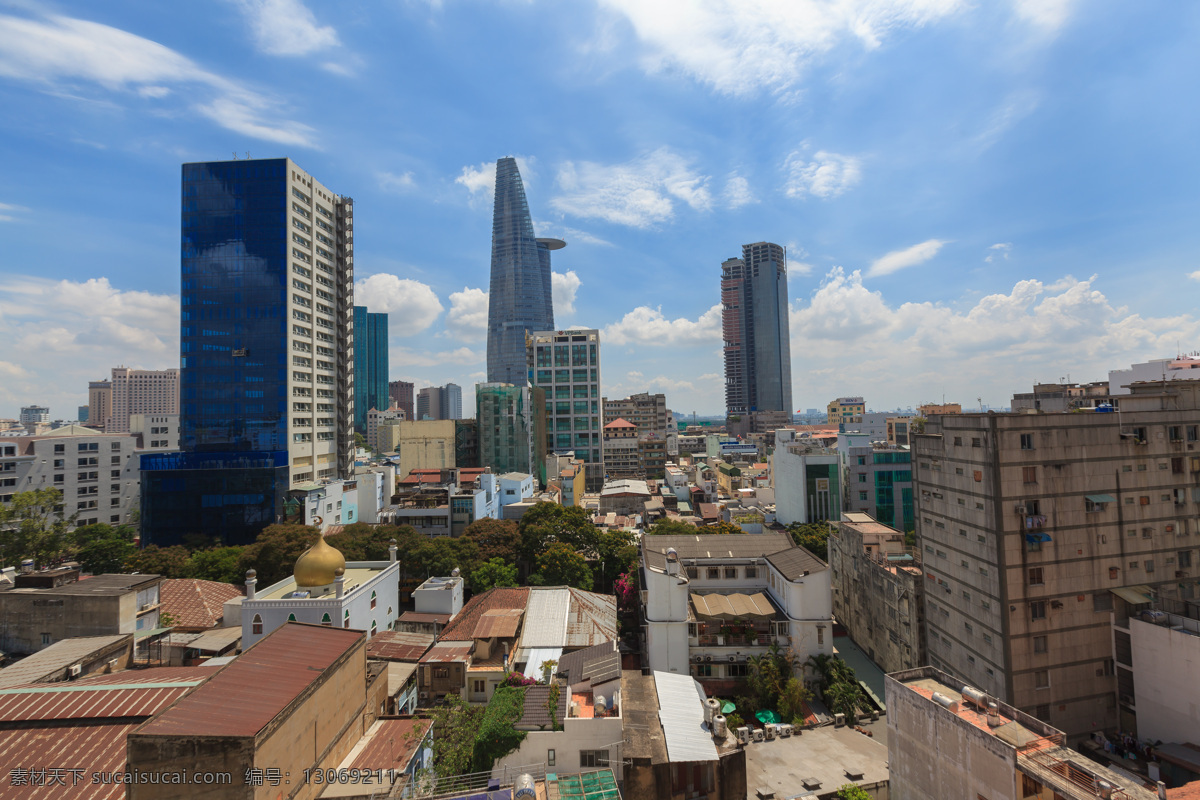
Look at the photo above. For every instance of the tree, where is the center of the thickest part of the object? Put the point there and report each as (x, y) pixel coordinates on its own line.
(723, 527)
(547, 523)
(851, 792)
(221, 564)
(170, 562)
(495, 538)
(769, 675)
(35, 526)
(673, 527)
(442, 555)
(812, 536)
(616, 553)
(360, 442)
(625, 587)
(105, 555)
(273, 554)
(792, 701)
(844, 698)
(910, 539)
(86, 534)
(559, 565)
(362, 542)
(492, 573)
(454, 727)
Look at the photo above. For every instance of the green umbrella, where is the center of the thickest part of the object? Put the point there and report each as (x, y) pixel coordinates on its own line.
(767, 716)
(728, 708)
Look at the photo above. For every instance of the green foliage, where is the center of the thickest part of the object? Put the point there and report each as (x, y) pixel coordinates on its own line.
(100, 531)
(792, 700)
(170, 562)
(851, 792)
(165, 620)
(495, 538)
(770, 676)
(360, 441)
(35, 526)
(910, 539)
(548, 523)
(616, 553)
(839, 686)
(723, 527)
(734, 720)
(552, 696)
(274, 552)
(219, 564)
(812, 536)
(560, 565)
(673, 527)
(497, 734)
(440, 556)
(362, 542)
(105, 555)
(492, 573)
(454, 726)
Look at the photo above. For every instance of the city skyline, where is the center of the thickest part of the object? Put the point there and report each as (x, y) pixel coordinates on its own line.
(972, 199)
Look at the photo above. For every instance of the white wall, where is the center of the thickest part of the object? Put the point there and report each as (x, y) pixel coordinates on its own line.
(1166, 692)
(666, 617)
(576, 735)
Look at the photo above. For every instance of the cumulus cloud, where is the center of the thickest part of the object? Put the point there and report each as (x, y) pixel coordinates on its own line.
(1194, 275)
(646, 325)
(563, 286)
(468, 315)
(481, 180)
(826, 175)
(741, 46)
(411, 305)
(998, 250)
(66, 53)
(286, 27)
(908, 257)
(61, 334)
(638, 193)
(737, 192)
(991, 348)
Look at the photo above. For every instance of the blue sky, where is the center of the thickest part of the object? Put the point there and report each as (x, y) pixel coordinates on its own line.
(974, 196)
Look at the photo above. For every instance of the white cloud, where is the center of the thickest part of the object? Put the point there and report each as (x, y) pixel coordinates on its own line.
(7, 210)
(908, 257)
(468, 315)
(646, 325)
(737, 192)
(741, 46)
(1049, 15)
(391, 182)
(568, 234)
(1194, 275)
(998, 250)
(287, 27)
(62, 52)
(563, 286)
(827, 175)
(638, 193)
(992, 348)
(481, 180)
(462, 356)
(61, 334)
(411, 305)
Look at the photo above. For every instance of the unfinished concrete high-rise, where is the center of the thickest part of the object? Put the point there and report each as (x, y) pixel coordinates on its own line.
(1030, 523)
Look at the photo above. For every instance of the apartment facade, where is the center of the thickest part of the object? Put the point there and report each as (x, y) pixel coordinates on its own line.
(566, 366)
(845, 410)
(621, 450)
(140, 391)
(879, 483)
(401, 393)
(646, 412)
(370, 365)
(755, 325)
(99, 403)
(1030, 522)
(807, 479)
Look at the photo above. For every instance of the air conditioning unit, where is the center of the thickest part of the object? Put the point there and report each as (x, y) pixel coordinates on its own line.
(732, 659)
(75, 670)
(708, 658)
(1019, 509)
(698, 659)
(423, 696)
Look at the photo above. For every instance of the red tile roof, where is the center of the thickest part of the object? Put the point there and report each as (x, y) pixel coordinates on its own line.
(93, 748)
(196, 604)
(462, 628)
(253, 689)
(393, 743)
(620, 422)
(420, 616)
(398, 646)
(416, 476)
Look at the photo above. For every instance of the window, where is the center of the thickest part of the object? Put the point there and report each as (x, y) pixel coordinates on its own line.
(1039, 644)
(862, 496)
(372, 599)
(116, 447)
(60, 449)
(977, 442)
(693, 630)
(704, 670)
(1037, 609)
(1185, 558)
(593, 758)
(1026, 441)
(1102, 601)
(346, 621)
(1035, 576)
(549, 758)
(751, 572)
(731, 573)
(1041, 679)
(478, 685)
(326, 620)
(1029, 474)
(45, 638)
(256, 625)
(1150, 565)
(737, 670)
(957, 441)
(693, 572)
(967, 596)
(713, 573)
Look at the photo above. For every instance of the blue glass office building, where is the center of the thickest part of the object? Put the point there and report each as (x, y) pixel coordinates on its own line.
(370, 365)
(520, 292)
(266, 335)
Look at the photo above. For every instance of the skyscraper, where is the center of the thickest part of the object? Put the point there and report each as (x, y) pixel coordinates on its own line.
(758, 353)
(451, 401)
(566, 366)
(266, 341)
(370, 365)
(512, 428)
(401, 393)
(519, 299)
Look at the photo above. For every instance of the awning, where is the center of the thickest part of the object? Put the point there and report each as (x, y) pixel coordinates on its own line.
(1101, 498)
(733, 606)
(139, 635)
(1033, 538)
(1134, 595)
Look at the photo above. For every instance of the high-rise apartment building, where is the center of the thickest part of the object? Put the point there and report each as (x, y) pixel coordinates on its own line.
(512, 428)
(31, 416)
(401, 393)
(566, 366)
(429, 403)
(99, 403)
(1030, 524)
(647, 412)
(754, 322)
(451, 401)
(141, 391)
(266, 350)
(370, 365)
(520, 298)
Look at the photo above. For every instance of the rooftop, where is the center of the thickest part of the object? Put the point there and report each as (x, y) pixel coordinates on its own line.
(195, 603)
(131, 695)
(58, 656)
(259, 685)
(110, 585)
(447, 652)
(718, 545)
(537, 712)
(391, 743)
(820, 760)
(644, 738)
(398, 646)
(465, 624)
(353, 578)
(576, 666)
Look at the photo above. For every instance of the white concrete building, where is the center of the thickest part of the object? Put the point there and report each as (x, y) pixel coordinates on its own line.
(1159, 658)
(322, 505)
(439, 596)
(807, 479)
(160, 432)
(566, 364)
(323, 590)
(713, 600)
(1184, 368)
(97, 473)
(377, 417)
(514, 488)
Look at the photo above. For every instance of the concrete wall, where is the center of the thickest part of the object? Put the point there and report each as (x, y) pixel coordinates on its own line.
(25, 616)
(576, 735)
(1165, 665)
(666, 621)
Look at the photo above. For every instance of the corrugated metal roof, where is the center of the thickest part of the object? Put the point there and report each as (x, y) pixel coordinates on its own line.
(681, 712)
(502, 622)
(444, 652)
(719, 545)
(217, 639)
(93, 748)
(257, 685)
(398, 646)
(392, 743)
(57, 656)
(796, 562)
(592, 619)
(130, 694)
(398, 673)
(546, 617)
(571, 664)
(537, 709)
(462, 627)
(603, 669)
(421, 616)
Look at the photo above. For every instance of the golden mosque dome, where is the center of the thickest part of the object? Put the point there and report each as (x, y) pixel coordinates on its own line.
(319, 565)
